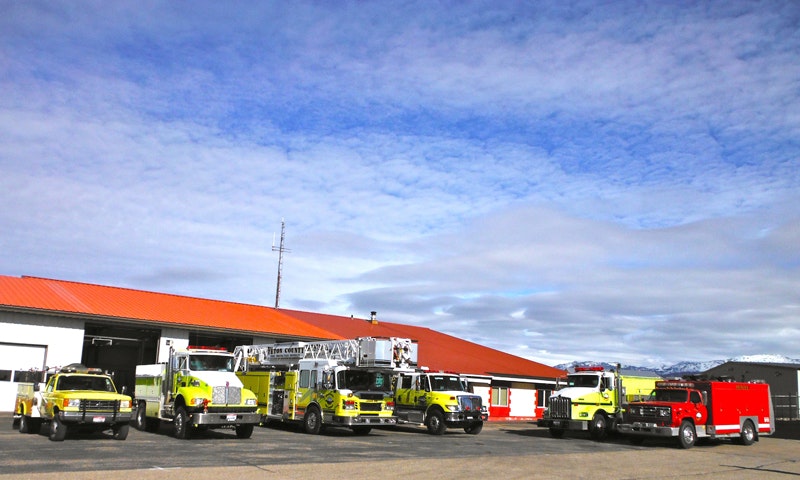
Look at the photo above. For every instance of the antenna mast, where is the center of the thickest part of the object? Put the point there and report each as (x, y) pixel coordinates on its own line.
(280, 249)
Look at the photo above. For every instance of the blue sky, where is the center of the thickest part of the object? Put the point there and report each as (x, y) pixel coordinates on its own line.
(582, 181)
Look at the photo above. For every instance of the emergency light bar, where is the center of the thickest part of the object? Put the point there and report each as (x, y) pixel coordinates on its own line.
(590, 369)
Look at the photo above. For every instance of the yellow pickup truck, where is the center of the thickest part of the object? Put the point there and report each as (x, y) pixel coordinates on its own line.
(73, 397)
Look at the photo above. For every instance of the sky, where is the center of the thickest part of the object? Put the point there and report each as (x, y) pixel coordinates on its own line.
(609, 181)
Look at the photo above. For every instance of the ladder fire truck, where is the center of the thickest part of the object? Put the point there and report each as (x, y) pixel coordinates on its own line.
(343, 383)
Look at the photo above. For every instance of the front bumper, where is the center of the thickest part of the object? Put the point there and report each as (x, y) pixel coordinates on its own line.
(362, 420)
(95, 418)
(564, 424)
(460, 419)
(647, 429)
(225, 418)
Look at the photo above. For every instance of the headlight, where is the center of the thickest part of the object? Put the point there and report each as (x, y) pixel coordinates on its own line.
(125, 404)
(198, 401)
(452, 408)
(250, 402)
(73, 402)
(663, 412)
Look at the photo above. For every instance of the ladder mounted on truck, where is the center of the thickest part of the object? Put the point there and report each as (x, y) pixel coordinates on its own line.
(393, 352)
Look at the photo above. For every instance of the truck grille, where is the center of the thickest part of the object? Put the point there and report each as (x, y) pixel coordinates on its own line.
(469, 402)
(560, 407)
(99, 406)
(370, 407)
(226, 395)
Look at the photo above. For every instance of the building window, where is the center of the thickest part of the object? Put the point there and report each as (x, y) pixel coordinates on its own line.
(5, 375)
(499, 396)
(542, 397)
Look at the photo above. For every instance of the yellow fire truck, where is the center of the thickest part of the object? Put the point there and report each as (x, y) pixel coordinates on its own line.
(593, 399)
(72, 397)
(197, 387)
(438, 400)
(342, 383)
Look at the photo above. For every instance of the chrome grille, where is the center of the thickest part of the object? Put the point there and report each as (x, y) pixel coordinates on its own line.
(560, 407)
(469, 402)
(226, 395)
(99, 405)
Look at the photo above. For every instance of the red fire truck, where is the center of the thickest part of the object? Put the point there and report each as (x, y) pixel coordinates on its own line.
(692, 409)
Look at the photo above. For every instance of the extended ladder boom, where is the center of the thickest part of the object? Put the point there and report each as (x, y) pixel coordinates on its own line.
(364, 351)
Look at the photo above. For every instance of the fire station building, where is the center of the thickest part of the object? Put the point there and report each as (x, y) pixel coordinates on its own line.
(50, 323)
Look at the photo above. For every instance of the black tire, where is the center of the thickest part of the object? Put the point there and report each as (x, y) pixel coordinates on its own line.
(25, 424)
(244, 431)
(435, 423)
(474, 428)
(120, 431)
(58, 430)
(598, 429)
(312, 421)
(362, 430)
(556, 432)
(181, 424)
(141, 416)
(748, 434)
(686, 434)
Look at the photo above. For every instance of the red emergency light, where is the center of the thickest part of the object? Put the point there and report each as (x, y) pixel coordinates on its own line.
(589, 369)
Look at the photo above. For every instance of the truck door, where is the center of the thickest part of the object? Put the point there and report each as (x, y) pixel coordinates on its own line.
(701, 411)
(290, 395)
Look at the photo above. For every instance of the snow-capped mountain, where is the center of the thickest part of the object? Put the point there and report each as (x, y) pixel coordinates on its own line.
(684, 368)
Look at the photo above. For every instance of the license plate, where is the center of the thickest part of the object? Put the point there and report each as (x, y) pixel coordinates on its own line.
(556, 423)
(231, 418)
(99, 419)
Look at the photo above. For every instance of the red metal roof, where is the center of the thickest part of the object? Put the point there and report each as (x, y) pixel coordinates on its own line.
(74, 298)
(437, 351)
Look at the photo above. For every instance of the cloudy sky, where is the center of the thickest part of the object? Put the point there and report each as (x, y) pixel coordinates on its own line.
(558, 180)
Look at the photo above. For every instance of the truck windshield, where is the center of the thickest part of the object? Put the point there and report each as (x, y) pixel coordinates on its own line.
(443, 383)
(582, 381)
(211, 363)
(669, 395)
(85, 382)
(361, 380)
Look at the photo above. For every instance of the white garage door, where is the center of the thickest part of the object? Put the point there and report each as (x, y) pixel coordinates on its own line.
(14, 356)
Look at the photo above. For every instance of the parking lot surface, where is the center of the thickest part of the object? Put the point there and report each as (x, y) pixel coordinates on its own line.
(507, 450)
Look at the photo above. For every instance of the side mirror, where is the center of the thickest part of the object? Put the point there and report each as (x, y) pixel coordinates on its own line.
(124, 389)
(36, 387)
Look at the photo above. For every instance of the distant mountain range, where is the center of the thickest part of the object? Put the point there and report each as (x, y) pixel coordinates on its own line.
(684, 368)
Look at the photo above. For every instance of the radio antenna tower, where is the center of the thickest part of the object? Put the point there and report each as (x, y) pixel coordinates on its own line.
(280, 249)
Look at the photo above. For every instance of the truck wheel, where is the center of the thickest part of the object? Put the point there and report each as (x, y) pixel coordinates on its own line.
(312, 421)
(435, 423)
(361, 430)
(181, 424)
(474, 428)
(25, 424)
(244, 431)
(141, 416)
(58, 431)
(748, 434)
(598, 427)
(556, 432)
(686, 434)
(120, 431)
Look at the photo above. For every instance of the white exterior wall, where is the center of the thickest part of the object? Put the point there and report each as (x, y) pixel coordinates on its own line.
(63, 338)
(522, 402)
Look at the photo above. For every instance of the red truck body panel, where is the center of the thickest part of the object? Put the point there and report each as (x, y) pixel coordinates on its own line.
(728, 402)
